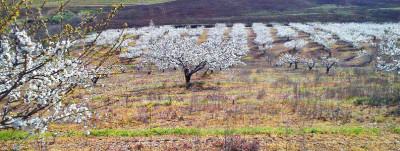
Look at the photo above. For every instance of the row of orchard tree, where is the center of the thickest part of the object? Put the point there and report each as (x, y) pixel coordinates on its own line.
(382, 38)
(39, 72)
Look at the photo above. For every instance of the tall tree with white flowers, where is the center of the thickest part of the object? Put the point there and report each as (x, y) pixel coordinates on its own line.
(37, 74)
(181, 52)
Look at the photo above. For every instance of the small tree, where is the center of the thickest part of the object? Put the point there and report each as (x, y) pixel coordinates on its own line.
(329, 63)
(311, 63)
(151, 24)
(290, 59)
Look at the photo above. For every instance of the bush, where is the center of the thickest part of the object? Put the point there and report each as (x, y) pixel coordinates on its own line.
(376, 101)
(239, 144)
(396, 129)
(168, 103)
(261, 94)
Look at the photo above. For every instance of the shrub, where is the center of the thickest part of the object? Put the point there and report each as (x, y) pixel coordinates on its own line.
(376, 101)
(261, 94)
(239, 144)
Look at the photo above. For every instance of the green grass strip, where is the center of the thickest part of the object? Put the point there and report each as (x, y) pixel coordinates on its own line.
(13, 135)
(347, 130)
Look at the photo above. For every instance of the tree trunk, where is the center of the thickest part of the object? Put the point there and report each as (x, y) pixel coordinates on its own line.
(265, 50)
(310, 68)
(205, 73)
(187, 79)
(293, 50)
(189, 73)
(327, 70)
(290, 65)
(396, 75)
(296, 65)
(95, 79)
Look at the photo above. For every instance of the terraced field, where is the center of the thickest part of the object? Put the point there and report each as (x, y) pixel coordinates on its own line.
(256, 106)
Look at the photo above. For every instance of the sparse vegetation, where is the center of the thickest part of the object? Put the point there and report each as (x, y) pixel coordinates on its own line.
(255, 105)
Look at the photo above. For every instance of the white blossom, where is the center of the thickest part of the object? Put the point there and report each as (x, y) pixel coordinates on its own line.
(296, 44)
(177, 51)
(389, 52)
(285, 32)
(38, 76)
(263, 36)
(290, 59)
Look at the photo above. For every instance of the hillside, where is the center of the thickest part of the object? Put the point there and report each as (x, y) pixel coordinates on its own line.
(53, 3)
(212, 11)
(258, 80)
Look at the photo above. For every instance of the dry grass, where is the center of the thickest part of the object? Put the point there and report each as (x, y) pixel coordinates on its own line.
(334, 111)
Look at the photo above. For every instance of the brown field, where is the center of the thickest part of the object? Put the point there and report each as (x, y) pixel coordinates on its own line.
(272, 108)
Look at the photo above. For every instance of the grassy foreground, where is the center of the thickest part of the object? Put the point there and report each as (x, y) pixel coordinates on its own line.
(276, 108)
(346, 130)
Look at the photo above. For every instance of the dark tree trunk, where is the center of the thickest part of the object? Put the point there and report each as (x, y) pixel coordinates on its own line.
(311, 66)
(328, 69)
(205, 73)
(296, 65)
(396, 75)
(95, 79)
(290, 65)
(187, 80)
(293, 50)
(265, 50)
(189, 73)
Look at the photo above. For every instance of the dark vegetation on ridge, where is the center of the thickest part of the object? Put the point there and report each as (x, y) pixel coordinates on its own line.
(228, 11)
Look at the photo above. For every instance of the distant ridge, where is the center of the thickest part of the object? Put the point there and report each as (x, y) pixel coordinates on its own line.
(212, 11)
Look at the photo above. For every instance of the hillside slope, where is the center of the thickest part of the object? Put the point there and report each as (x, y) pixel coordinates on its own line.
(99, 2)
(212, 11)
